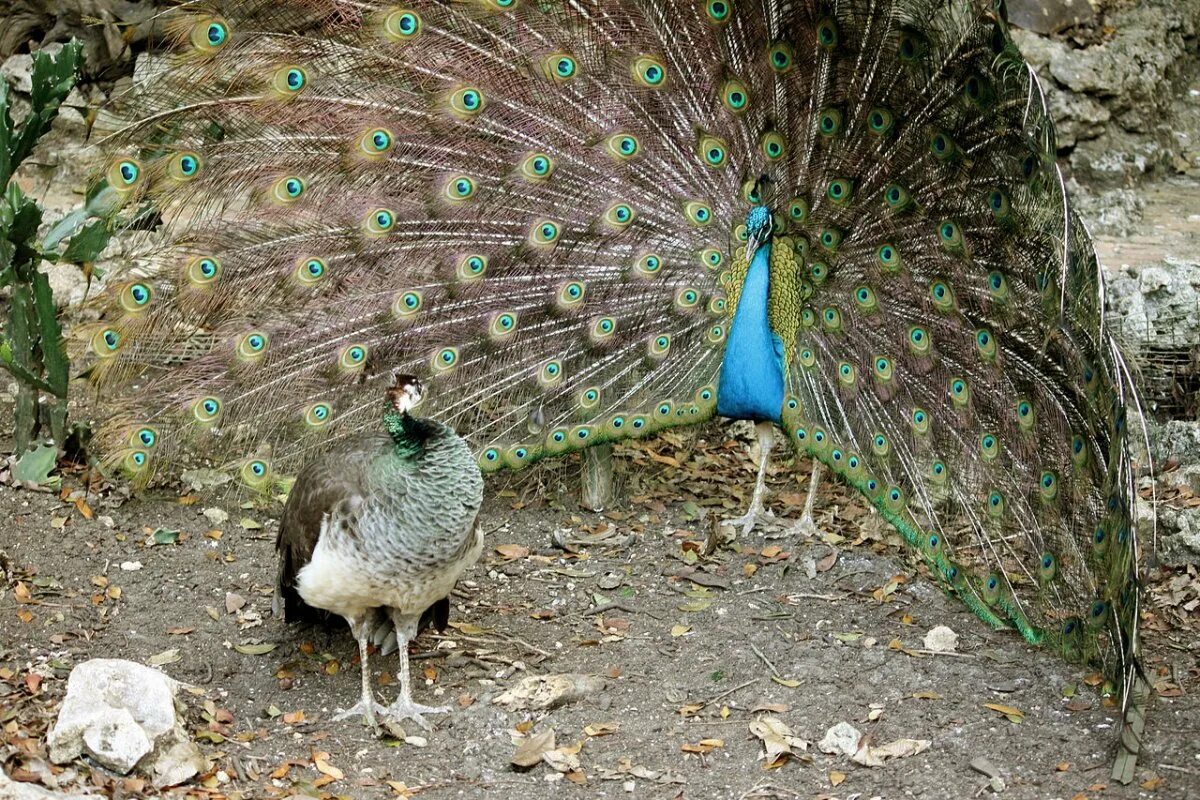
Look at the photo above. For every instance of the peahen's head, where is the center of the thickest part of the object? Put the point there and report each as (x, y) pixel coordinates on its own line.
(404, 393)
(758, 229)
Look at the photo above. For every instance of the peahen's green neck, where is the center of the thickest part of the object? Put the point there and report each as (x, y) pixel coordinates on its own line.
(408, 432)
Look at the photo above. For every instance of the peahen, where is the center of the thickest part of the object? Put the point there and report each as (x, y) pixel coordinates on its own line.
(583, 222)
(382, 522)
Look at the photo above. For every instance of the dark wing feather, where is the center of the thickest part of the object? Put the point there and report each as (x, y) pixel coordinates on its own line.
(320, 487)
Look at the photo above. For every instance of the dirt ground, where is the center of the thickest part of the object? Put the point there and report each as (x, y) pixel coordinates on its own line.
(811, 631)
(692, 647)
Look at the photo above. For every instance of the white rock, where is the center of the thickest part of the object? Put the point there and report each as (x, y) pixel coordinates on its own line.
(117, 741)
(122, 714)
(841, 739)
(216, 516)
(15, 790)
(941, 640)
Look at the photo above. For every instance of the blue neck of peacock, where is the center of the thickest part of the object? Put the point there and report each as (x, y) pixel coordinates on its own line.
(751, 384)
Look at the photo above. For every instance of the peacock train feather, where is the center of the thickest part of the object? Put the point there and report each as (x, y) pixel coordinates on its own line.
(583, 222)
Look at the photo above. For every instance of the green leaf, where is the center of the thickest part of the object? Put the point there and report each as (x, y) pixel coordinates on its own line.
(52, 78)
(35, 466)
(255, 649)
(165, 536)
(54, 357)
(88, 243)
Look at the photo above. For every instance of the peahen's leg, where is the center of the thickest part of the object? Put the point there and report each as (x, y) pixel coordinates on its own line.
(383, 634)
(404, 707)
(766, 437)
(806, 526)
(366, 705)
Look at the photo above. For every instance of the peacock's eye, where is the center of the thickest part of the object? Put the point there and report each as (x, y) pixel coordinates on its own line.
(735, 96)
(649, 71)
(402, 25)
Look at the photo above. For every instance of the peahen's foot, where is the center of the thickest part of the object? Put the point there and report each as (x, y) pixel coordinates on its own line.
(369, 710)
(404, 709)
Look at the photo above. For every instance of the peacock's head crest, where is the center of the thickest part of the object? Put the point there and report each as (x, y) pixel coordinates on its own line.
(404, 393)
(758, 229)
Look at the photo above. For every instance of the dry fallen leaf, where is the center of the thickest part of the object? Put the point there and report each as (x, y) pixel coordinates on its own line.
(836, 778)
(512, 552)
(779, 743)
(325, 768)
(602, 728)
(529, 753)
(1012, 713)
(871, 756)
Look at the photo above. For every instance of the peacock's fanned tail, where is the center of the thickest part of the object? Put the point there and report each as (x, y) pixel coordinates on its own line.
(538, 207)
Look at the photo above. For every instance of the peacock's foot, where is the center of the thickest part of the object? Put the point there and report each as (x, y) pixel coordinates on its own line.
(748, 520)
(369, 710)
(805, 528)
(404, 709)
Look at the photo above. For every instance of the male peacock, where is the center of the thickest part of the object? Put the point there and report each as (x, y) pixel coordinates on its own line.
(384, 521)
(582, 222)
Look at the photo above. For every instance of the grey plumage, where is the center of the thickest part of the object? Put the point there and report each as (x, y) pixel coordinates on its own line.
(385, 523)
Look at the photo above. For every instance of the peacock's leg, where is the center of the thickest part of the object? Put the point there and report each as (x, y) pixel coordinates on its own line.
(766, 437)
(806, 526)
(366, 705)
(404, 707)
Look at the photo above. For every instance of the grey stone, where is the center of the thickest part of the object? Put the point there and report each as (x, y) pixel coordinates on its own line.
(16, 790)
(1178, 534)
(1049, 16)
(122, 714)
(1157, 306)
